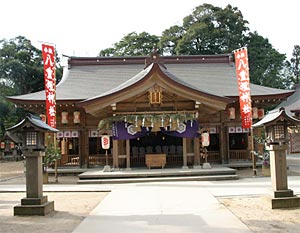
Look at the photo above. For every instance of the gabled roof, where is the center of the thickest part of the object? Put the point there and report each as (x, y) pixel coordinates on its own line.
(86, 78)
(276, 115)
(154, 75)
(32, 121)
(292, 104)
(144, 73)
(12, 137)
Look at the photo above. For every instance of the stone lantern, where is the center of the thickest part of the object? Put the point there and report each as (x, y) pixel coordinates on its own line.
(276, 123)
(32, 130)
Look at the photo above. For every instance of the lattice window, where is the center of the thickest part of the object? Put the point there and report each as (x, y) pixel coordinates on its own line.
(279, 132)
(31, 138)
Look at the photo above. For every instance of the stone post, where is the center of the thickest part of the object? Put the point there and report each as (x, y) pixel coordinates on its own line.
(283, 197)
(34, 203)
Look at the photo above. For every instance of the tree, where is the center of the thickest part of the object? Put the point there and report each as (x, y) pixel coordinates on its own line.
(212, 30)
(208, 30)
(169, 39)
(133, 44)
(21, 65)
(265, 62)
(21, 72)
(292, 69)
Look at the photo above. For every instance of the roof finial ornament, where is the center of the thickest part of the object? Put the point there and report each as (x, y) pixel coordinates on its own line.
(154, 58)
(155, 55)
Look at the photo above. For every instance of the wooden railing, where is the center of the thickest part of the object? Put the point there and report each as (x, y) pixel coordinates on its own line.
(174, 160)
(69, 160)
(100, 160)
(94, 160)
(213, 157)
(239, 155)
(139, 161)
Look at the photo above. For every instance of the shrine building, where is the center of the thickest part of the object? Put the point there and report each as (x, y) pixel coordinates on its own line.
(151, 106)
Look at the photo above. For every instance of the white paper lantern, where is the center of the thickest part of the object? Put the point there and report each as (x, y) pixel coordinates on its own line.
(205, 139)
(231, 113)
(76, 116)
(64, 117)
(254, 113)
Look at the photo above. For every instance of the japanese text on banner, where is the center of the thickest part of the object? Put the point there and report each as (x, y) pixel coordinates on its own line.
(48, 52)
(242, 73)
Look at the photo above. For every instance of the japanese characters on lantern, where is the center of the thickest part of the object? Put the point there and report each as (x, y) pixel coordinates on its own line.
(242, 72)
(48, 52)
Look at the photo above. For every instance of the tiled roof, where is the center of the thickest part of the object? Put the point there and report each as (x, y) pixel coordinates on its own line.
(32, 121)
(274, 116)
(87, 80)
(293, 101)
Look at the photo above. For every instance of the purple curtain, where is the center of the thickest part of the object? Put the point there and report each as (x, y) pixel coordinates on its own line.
(123, 130)
(187, 129)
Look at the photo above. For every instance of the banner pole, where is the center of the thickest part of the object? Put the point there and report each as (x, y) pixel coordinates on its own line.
(253, 154)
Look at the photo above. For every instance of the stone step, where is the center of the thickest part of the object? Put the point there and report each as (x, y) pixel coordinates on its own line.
(158, 179)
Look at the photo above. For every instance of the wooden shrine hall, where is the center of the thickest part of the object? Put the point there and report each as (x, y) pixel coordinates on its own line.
(153, 108)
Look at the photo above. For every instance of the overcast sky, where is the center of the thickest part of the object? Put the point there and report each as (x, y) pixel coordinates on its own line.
(83, 28)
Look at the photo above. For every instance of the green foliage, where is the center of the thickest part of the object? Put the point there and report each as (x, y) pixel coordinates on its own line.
(214, 30)
(265, 62)
(8, 113)
(208, 30)
(52, 154)
(170, 38)
(21, 72)
(292, 70)
(21, 65)
(132, 44)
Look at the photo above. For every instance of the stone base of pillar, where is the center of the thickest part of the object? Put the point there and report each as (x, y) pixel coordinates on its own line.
(206, 166)
(185, 167)
(107, 168)
(283, 193)
(285, 202)
(34, 206)
(284, 199)
(197, 167)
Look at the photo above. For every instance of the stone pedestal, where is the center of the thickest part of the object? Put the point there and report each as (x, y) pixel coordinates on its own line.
(34, 203)
(107, 168)
(206, 166)
(283, 197)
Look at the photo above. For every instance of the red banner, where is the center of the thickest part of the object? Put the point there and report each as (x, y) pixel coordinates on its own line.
(242, 73)
(48, 52)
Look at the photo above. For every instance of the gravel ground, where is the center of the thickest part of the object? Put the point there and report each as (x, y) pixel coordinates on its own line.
(72, 207)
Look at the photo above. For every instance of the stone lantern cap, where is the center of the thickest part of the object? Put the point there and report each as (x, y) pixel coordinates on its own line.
(275, 116)
(32, 121)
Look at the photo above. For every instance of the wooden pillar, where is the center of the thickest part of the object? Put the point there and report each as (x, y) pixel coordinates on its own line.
(127, 154)
(223, 141)
(196, 152)
(84, 147)
(83, 143)
(224, 147)
(184, 153)
(115, 154)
